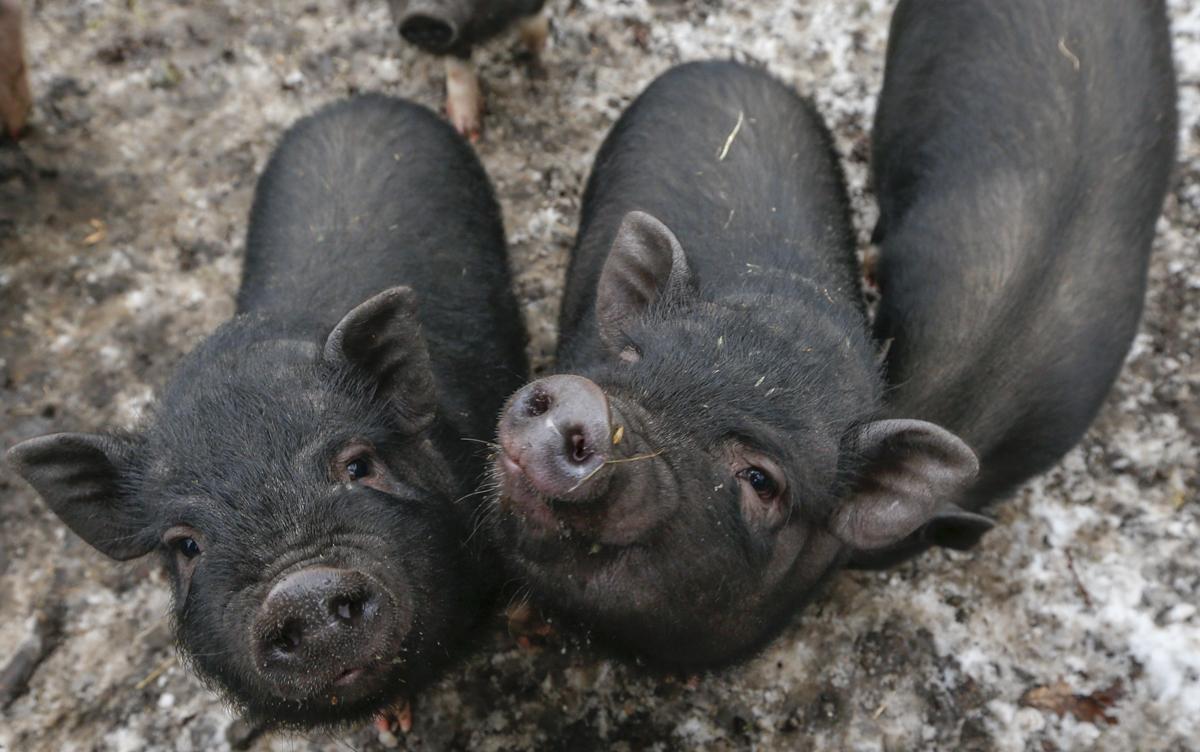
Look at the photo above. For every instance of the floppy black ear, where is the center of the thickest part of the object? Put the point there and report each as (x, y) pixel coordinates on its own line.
(646, 261)
(913, 472)
(83, 479)
(381, 340)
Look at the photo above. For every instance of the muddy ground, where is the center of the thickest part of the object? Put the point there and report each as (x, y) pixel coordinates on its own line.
(1074, 625)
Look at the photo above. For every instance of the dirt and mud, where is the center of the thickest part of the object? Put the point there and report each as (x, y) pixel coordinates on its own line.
(122, 214)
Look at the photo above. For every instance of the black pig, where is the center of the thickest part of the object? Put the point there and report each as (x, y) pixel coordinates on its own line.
(716, 455)
(15, 98)
(452, 28)
(300, 473)
(1021, 154)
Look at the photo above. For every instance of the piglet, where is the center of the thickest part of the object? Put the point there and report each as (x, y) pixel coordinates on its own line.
(713, 447)
(302, 474)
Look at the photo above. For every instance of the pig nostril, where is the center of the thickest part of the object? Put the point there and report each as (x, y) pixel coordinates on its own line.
(289, 637)
(427, 32)
(538, 403)
(577, 446)
(348, 609)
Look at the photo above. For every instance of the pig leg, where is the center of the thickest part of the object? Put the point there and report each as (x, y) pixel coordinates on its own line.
(534, 31)
(464, 101)
(15, 97)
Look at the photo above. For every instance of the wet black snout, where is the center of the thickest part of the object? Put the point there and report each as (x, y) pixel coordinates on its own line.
(321, 623)
(429, 31)
(558, 431)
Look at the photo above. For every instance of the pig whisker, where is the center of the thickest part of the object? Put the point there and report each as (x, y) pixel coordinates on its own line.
(520, 597)
(481, 516)
(488, 444)
(485, 488)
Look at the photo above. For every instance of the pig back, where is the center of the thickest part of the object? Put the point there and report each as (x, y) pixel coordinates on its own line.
(376, 192)
(1021, 156)
(743, 172)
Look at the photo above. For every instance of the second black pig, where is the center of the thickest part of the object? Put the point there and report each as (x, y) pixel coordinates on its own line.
(715, 453)
(452, 28)
(300, 474)
(1021, 155)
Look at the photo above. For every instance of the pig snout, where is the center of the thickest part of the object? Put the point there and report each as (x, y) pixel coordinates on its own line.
(433, 26)
(556, 432)
(321, 627)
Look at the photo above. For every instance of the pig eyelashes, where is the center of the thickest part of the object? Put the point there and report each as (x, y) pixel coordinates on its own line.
(185, 541)
(358, 463)
(760, 482)
(763, 488)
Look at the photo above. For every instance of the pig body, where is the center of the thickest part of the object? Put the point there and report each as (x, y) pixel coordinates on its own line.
(709, 455)
(302, 473)
(15, 97)
(452, 28)
(1021, 155)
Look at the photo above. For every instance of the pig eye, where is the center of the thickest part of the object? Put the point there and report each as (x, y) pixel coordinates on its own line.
(761, 481)
(358, 468)
(188, 547)
(184, 541)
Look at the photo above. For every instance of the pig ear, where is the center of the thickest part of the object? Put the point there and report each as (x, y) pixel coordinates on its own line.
(381, 340)
(646, 262)
(913, 472)
(83, 479)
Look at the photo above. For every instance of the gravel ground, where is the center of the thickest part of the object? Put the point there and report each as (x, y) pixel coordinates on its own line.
(1074, 625)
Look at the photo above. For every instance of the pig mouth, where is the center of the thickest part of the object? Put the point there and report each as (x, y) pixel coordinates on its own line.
(350, 669)
(609, 510)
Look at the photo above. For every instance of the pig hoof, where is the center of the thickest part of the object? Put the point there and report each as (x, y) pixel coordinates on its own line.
(469, 124)
(528, 627)
(464, 101)
(399, 717)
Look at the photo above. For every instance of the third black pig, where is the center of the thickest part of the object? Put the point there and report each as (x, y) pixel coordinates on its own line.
(711, 451)
(1021, 154)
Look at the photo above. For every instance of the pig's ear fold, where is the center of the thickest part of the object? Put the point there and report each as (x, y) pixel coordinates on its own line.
(646, 263)
(912, 473)
(84, 478)
(381, 341)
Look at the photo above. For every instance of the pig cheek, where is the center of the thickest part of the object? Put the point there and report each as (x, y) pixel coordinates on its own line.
(763, 516)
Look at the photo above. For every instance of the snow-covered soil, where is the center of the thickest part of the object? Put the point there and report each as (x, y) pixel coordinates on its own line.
(1074, 625)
